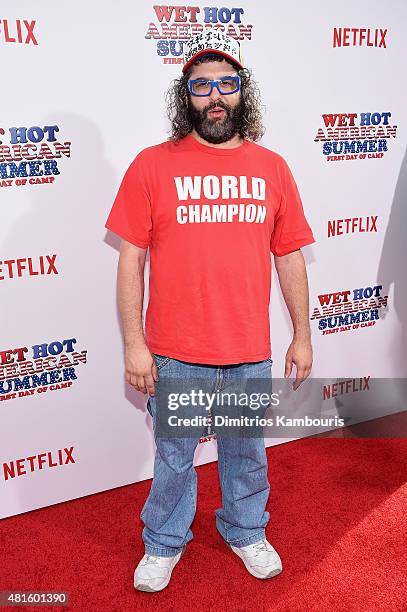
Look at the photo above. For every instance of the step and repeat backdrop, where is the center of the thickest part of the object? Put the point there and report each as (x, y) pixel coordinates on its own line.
(84, 93)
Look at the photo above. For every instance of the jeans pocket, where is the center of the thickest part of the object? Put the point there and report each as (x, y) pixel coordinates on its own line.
(161, 360)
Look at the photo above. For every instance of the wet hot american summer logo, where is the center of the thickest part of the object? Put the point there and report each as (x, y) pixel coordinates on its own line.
(43, 367)
(349, 310)
(30, 156)
(350, 136)
(173, 25)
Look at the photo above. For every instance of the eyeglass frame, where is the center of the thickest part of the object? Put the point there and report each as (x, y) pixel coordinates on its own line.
(215, 83)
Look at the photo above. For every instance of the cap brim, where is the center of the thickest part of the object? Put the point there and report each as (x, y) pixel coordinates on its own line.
(211, 52)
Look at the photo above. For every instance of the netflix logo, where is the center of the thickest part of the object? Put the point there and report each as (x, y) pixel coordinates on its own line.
(349, 385)
(27, 266)
(36, 463)
(17, 31)
(359, 37)
(352, 225)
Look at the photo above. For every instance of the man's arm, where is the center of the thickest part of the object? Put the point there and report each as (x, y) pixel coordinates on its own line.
(293, 280)
(141, 370)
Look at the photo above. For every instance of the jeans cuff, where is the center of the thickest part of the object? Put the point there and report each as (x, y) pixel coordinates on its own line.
(161, 552)
(253, 539)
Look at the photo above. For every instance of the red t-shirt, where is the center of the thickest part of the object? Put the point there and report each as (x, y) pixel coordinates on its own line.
(210, 216)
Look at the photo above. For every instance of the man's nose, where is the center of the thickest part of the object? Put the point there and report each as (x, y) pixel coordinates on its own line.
(215, 95)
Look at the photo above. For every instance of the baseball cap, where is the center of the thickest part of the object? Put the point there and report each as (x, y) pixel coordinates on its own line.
(211, 42)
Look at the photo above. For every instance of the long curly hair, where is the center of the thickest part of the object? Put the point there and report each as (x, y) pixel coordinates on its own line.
(177, 98)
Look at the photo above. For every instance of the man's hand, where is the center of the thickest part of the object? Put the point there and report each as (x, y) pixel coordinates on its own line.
(300, 353)
(141, 369)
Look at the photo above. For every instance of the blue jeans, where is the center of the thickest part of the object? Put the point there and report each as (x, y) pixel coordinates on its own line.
(242, 465)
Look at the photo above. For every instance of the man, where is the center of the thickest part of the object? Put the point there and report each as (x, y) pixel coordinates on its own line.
(211, 205)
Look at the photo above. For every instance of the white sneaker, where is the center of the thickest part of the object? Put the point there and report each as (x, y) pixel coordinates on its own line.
(260, 559)
(154, 573)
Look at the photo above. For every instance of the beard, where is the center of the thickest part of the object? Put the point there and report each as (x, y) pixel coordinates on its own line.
(217, 130)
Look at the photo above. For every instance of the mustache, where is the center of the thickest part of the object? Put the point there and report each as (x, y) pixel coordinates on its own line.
(216, 105)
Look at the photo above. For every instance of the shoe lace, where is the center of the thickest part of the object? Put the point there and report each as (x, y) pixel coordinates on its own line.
(260, 546)
(151, 560)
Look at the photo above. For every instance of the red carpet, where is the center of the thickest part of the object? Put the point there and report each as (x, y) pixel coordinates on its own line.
(338, 520)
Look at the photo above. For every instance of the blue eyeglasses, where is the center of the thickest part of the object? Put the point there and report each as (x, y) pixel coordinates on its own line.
(225, 85)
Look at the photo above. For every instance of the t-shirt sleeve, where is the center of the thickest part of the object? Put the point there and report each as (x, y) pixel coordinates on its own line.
(130, 215)
(291, 229)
